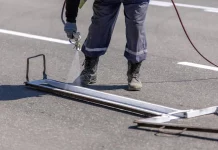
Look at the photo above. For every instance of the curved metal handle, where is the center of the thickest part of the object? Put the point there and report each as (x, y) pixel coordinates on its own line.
(44, 65)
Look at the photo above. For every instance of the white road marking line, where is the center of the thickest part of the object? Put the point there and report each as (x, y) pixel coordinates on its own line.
(159, 3)
(153, 2)
(198, 66)
(211, 10)
(34, 36)
(169, 4)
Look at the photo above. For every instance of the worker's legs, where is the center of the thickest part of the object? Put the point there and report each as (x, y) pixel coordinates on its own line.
(135, 15)
(136, 46)
(101, 28)
(99, 36)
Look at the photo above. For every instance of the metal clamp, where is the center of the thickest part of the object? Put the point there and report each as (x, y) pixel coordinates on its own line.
(44, 65)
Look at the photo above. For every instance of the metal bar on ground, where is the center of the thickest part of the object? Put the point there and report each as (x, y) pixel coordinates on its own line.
(100, 97)
(160, 113)
(159, 119)
(201, 112)
(182, 113)
(176, 127)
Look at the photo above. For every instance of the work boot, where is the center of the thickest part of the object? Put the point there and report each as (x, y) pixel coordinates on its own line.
(134, 83)
(89, 73)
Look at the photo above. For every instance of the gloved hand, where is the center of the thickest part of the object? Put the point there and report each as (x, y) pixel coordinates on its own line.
(70, 28)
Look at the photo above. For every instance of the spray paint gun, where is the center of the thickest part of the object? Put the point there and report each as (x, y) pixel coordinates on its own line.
(76, 38)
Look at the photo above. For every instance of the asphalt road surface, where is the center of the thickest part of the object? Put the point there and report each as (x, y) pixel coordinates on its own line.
(34, 120)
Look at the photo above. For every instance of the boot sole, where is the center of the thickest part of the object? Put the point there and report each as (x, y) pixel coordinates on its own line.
(88, 83)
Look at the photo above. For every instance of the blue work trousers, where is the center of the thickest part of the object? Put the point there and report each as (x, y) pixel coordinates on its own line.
(102, 26)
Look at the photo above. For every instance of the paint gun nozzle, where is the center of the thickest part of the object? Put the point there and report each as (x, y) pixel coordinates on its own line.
(76, 38)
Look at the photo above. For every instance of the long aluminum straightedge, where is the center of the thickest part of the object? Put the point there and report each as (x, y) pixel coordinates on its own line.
(161, 114)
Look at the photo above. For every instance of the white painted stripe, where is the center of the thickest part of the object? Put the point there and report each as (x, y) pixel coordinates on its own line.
(191, 6)
(169, 4)
(198, 66)
(159, 3)
(34, 36)
(211, 10)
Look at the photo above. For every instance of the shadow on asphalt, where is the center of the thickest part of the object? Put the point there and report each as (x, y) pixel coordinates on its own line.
(107, 87)
(16, 92)
(168, 135)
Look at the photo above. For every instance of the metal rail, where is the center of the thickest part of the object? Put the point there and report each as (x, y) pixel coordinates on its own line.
(161, 114)
(182, 128)
(93, 96)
